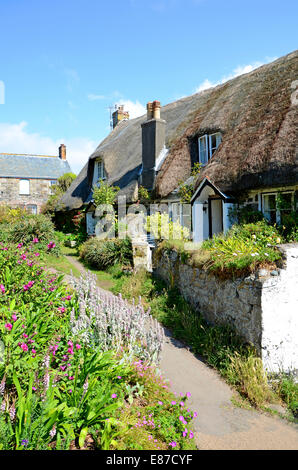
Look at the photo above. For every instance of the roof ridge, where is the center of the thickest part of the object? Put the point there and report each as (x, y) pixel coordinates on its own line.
(28, 155)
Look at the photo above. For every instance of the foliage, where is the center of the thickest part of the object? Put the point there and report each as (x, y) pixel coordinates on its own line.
(186, 190)
(245, 215)
(104, 193)
(286, 387)
(161, 227)
(104, 253)
(26, 227)
(58, 391)
(143, 193)
(57, 191)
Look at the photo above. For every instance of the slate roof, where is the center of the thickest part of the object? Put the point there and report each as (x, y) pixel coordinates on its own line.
(258, 119)
(32, 166)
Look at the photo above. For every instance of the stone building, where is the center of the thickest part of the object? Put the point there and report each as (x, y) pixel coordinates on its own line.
(26, 180)
(243, 133)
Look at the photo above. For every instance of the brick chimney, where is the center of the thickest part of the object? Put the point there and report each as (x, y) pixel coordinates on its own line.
(62, 152)
(119, 114)
(153, 141)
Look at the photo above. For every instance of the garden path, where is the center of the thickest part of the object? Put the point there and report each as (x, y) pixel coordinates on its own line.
(220, 424)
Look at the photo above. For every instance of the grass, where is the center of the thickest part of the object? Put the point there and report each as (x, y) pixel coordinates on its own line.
(218, 345)
(61, 264)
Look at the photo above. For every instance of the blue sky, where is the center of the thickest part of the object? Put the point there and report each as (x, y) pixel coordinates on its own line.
(64, 62)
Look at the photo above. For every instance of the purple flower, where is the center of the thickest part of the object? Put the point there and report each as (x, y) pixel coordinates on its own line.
(8, 326)
(14, 317)
(173, 444)
(114, 395)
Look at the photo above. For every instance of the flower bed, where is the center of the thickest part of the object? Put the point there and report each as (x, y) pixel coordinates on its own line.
(78, 370)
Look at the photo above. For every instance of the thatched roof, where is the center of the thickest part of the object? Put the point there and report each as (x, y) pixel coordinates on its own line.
(259, 148)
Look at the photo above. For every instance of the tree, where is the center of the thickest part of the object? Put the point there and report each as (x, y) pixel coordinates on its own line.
(58, 190)
(104, 194)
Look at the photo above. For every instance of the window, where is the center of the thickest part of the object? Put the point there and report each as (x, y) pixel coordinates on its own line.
(24, 187)
(277, 205)
(99, 172)
(208, 144)
(52, 183)
(32, 208)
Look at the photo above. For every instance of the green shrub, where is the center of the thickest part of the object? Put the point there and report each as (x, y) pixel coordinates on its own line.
(28, 227)
(104, 253)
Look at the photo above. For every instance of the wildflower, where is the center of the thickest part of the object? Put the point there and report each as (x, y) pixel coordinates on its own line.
(2, 288)
(24, 442)
(24, 347)
(70, 377)
(160, 403)
(14, 317)
(114, 395)
(173, 403)
(51, 245)
(68, 297)
(12, 412)
(190, 435)
(61, 309)
(78, 346)
(36, 254)
(181, 403)
(173, 444)
(33, 352)
(188, 394)
(184, 434)
(35, 240)
(119, 377)
(20, 245)
(8, 326)
(2, 386)
(34, 389)
(53, 432)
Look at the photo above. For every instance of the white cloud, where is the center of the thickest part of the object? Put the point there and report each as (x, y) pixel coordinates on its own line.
(135, 109)
(240, 70)
(92, 97)
(16, 138)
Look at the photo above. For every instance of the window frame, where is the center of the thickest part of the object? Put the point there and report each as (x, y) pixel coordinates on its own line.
(210, 151)
(278, 212)
(26, 193)
(101, 175)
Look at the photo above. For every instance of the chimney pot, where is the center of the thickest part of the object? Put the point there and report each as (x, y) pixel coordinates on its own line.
(149, 110)
(62, 152)
(156, 109)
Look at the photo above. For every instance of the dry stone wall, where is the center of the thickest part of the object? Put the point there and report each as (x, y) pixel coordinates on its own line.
(262, 308)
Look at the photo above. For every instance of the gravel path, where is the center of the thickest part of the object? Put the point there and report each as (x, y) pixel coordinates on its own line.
(220, 425)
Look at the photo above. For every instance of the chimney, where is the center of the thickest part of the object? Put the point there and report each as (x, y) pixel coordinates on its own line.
(62, 152)
(153, 141)
(119, 114)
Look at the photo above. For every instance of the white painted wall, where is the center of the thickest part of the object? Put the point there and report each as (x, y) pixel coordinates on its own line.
(280, 316)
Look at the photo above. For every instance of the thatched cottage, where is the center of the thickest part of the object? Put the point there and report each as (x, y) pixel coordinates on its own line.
(243, 132)
(26, 180)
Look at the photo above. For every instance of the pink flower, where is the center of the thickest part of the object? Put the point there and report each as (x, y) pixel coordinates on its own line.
(61, 309)
(36, 254)
(188, 394)
(160, 403)
(24, 347)
(33, 352)
(24, 335)
(173, 403)
(51, 245)
(78, 346)
(190, 435)
(119, 377)
(173, 444)
(70, 377)
(181, 403)
(20, 245)
(114, 395)
(14, 317)
(195, 414)
(8, 326)
(184, 432)
(68, 297)
(35, 240)
(2, 288)
(34, 389)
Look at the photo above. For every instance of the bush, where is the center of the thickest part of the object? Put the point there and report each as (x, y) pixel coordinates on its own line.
(28, 227)
(104, 253)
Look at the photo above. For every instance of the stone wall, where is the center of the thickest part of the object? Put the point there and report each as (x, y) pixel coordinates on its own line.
(9, 192)
(262, 308)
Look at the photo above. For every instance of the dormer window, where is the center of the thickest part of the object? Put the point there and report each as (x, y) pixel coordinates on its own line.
(98, 173)
(208, 144)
